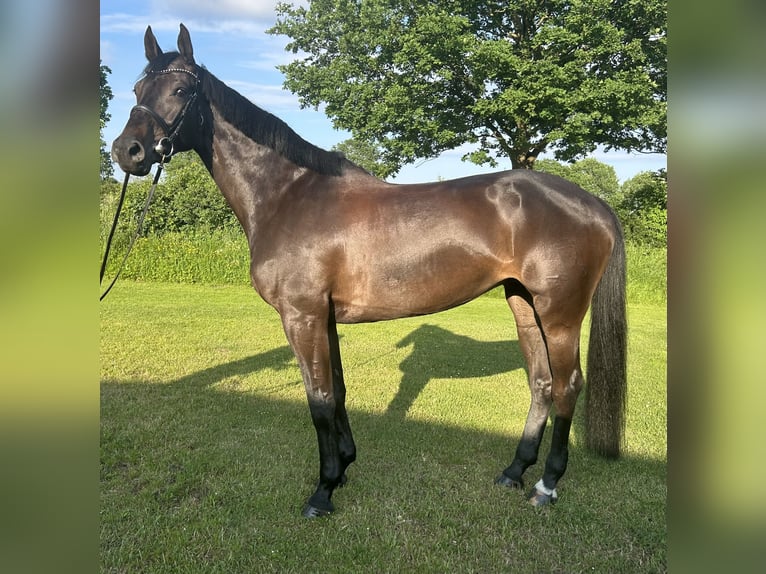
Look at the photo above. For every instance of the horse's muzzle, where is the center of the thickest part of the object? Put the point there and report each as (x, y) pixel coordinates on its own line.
(132, 156)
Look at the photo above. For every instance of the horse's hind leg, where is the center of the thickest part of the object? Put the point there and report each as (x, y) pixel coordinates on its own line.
(564, 355)
(533, 347)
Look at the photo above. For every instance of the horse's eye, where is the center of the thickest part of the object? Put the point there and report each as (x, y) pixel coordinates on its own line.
(181, 92)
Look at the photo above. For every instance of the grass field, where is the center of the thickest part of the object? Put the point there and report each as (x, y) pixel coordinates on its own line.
(208, 453)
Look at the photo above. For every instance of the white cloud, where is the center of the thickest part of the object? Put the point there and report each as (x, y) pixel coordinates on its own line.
(221, 9)
(269, 97)
(264, 52)
(262, 11)
(267, 61)
(132, 23)
(106, 52)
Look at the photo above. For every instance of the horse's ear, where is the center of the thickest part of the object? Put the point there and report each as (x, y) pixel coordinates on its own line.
(151, 46)
(185, 45)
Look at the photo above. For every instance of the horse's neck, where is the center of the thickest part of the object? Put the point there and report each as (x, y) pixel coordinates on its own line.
(251, 176)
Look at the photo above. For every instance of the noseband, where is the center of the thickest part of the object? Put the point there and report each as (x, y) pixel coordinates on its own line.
(164, 146)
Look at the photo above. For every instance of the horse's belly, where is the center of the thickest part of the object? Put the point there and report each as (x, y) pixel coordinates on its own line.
(398, 288)
(385, 310)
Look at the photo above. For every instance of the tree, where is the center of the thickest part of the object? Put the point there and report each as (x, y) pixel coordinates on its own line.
(107, 169)
(644, 207)
(513, 78)
(363, 154)
(592, 175)
(645, 191)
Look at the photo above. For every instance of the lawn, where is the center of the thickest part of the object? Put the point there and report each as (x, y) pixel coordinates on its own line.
(208, 453)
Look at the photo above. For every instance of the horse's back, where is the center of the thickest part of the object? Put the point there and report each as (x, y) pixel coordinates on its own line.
(424, 248)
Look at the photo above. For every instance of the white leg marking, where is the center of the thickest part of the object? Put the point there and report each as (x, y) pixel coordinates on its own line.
(540, 487)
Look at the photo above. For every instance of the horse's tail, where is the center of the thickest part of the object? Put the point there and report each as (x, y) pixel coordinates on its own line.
(606, 388)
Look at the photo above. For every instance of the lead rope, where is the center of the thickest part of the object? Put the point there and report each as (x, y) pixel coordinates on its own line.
(147, 203)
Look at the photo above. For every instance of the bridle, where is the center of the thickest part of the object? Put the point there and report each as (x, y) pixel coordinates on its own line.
(165, 148)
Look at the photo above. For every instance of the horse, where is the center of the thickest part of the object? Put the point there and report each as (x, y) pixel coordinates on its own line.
(330, 243)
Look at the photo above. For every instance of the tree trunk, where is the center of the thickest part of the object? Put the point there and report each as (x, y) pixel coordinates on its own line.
(523, 160)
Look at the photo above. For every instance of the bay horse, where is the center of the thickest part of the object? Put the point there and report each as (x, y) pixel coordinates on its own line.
(330, 243)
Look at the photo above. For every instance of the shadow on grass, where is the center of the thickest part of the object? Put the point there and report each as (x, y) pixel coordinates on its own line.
(436, 353)
(439, 353)
(190, 453)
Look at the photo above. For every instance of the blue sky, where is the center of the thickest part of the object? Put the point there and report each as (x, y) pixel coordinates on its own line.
(229, 38)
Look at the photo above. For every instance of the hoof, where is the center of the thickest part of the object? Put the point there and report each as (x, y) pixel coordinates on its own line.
(509, 482)
(310, 511)
(541, 496)
(538, 499)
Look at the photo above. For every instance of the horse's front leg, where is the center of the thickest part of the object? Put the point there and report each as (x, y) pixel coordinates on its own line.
(346, 446)
(309, 338)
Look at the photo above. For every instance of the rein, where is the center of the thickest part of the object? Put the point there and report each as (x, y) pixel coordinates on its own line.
(164, 147)
(147, 203)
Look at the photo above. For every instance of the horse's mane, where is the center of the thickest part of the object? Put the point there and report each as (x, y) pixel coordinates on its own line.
(267, 129)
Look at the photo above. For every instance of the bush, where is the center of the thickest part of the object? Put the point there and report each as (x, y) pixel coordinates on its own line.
(218, 256)
(190, 234)
(647, 273)
(650, 229)
(187, 199)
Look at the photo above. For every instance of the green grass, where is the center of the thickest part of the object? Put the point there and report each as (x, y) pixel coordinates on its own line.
(218, 256)
(647, 274)
(208, 453)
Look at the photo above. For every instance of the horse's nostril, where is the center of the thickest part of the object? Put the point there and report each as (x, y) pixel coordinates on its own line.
(136, 151)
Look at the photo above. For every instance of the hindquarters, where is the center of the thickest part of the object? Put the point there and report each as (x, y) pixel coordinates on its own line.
(579, 263)
(570, 255)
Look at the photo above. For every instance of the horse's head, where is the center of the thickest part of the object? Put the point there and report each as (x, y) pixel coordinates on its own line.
(166, 117)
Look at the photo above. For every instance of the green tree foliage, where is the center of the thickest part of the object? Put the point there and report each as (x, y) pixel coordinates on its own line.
(644, 207)
(645, 191)
(105, 92)
(513, 78)
(363, 154)
(598, 178)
